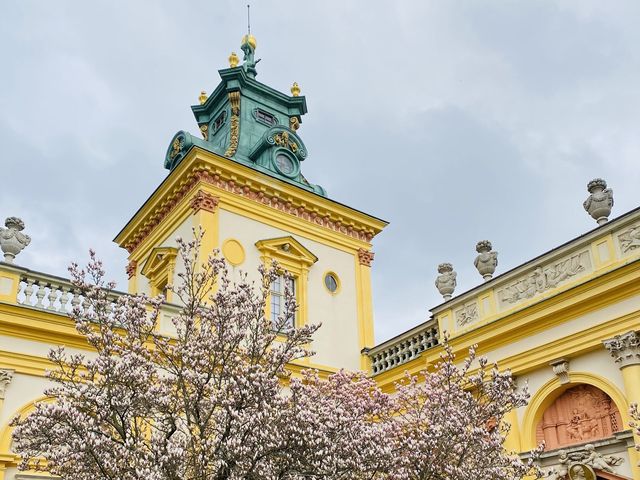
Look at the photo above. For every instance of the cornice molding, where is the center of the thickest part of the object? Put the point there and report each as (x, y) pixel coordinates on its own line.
(202, 171)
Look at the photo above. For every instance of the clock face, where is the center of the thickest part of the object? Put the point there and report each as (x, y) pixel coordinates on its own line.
(285, 164)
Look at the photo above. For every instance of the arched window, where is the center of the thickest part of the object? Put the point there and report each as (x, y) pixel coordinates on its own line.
(581, 414)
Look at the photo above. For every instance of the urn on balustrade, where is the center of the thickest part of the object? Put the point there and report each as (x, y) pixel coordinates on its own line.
(12, 240)
(600, 202)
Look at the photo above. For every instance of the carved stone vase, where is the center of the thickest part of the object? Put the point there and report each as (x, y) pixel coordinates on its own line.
(12, 240)
(486, 261)
(446, 281)
(600, 202)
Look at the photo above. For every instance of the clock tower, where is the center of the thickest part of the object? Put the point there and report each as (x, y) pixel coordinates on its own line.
(250, 122)
(241, 180)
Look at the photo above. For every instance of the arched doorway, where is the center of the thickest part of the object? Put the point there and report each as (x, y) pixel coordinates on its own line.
(581, 414)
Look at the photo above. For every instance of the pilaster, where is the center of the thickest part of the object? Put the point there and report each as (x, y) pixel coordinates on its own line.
(205, 208)
(512, 442)
(9, 282)
(364, 258)
(132, 275)
(625, 350)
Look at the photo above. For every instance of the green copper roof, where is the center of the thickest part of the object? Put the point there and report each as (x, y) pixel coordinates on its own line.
(250, 123)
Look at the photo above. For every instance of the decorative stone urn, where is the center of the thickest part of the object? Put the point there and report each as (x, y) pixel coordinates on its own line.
(12, 240)
(446, 281)
(486, 261)
(599, 203)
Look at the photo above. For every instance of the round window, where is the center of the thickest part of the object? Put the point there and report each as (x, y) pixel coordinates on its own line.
(285, 164)
(331, 282)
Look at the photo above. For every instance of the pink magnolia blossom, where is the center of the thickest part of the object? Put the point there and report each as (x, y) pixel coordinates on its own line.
(217, 401)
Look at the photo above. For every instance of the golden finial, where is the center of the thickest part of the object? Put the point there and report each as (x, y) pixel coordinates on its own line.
(251, 40)
(203, 97)
(295, 89)
(233, 60)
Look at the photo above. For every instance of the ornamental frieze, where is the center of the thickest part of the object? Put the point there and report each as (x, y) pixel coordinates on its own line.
(269, 198)
(545, 278)
(629, 239)
(466, 315)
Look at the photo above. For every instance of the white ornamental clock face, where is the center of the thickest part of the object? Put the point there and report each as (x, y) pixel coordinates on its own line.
(285, 164)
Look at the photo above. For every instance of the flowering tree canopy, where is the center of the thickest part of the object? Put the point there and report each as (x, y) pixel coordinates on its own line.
(217, 400)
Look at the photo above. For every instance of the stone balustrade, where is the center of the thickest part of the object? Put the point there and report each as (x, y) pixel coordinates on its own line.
(404, 348)
(57, 295)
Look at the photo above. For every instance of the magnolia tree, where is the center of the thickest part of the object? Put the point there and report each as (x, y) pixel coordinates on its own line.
(217, 400)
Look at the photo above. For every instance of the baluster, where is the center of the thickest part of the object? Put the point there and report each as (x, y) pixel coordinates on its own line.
(64, 298)
(52, 297)
(28, 291)
(83, 304)
(21, 286)
(40, 293)
(75, 300)
(413, 351)
(109, 307)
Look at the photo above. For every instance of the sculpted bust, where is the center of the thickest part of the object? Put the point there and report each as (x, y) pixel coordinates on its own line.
(446, 281)
(600, 202)
(487, 260)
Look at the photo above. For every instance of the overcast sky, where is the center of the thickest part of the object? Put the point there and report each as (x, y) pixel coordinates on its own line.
(455, 121)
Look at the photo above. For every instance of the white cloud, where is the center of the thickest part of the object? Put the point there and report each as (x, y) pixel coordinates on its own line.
(470, 119)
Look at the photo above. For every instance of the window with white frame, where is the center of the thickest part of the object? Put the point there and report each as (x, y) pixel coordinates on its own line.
(278, 287)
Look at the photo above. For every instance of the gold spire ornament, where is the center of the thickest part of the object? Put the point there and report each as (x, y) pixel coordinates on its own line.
(203, 97)
(295, 89)
(233, 60)
(251, 40)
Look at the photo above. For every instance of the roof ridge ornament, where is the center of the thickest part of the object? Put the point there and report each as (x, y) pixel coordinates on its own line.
(12, 240)
(233, 60)
(446, 281)
(248, 46)
(600, 202)
(487, 260)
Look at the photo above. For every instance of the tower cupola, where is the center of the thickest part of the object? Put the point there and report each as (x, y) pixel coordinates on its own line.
(250, 123)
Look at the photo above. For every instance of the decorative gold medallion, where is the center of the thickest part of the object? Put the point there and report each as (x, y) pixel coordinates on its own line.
(282, 140)
(175, 148)
(234, 100)
(204, 129)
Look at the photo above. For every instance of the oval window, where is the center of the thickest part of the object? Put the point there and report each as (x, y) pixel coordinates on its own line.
(331, 282)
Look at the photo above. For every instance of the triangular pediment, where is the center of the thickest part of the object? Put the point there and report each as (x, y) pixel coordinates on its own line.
(158, 260)
(286, 249)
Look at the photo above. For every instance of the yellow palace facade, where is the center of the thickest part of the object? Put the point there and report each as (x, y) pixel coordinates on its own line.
(564, 323)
